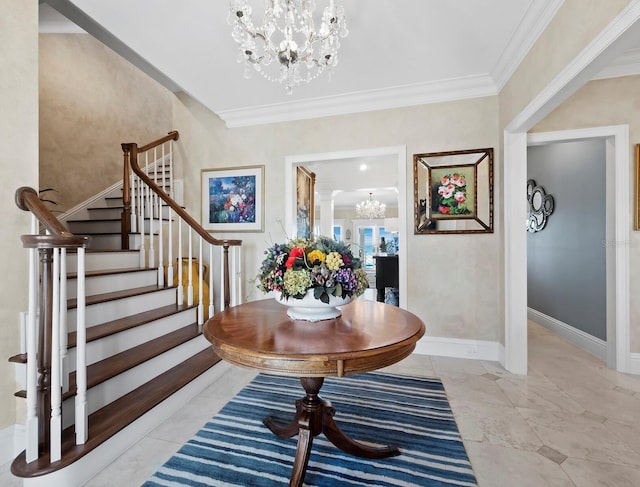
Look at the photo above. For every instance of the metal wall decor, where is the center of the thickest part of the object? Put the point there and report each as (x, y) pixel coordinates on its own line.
(540, 206)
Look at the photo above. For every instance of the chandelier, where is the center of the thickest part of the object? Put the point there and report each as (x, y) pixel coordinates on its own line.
(287, 36)
(370, 208)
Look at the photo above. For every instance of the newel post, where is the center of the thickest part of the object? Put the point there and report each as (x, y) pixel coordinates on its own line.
(129, 150)
(44, 349)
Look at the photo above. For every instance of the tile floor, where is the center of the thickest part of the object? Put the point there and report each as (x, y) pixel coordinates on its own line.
(570, 422)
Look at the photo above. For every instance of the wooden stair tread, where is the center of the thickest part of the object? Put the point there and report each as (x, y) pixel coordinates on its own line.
(102, 298)
(110, 367)
(109, 420)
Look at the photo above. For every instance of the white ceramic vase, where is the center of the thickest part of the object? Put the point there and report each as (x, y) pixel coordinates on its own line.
(311, 309)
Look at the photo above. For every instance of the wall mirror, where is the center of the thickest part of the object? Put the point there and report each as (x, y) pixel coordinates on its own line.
(453, 192)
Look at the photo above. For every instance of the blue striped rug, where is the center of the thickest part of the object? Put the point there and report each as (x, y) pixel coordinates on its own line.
(236, 449)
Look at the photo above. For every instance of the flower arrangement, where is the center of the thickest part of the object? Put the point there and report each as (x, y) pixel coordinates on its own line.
(453, 195)
(326, 266)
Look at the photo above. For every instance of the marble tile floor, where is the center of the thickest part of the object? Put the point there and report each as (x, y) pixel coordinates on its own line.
(569, 422)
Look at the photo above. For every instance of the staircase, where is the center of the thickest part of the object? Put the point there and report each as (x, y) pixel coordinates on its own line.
(143, 346)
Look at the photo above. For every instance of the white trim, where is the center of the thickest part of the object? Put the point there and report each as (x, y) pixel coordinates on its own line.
(533, 24)
(617, 231)
(12, 441)
(617, 37)
(363, 101)
(626, 65)
(458, 348)
(634, 363)
(400, 152)
(587, 342)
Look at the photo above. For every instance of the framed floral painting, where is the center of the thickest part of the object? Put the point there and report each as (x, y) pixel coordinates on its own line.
(453, 192)
(233, 199)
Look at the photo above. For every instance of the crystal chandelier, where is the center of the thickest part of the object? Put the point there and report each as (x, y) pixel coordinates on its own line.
(370, 208)
(287, 36)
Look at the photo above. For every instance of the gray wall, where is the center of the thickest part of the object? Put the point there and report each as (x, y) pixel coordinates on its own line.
(566, 260)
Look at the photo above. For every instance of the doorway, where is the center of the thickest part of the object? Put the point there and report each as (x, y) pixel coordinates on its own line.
(396, 157)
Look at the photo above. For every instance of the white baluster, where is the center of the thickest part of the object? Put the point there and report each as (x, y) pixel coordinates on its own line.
(211, 307)
(170, 250)
(31, 424)
(180, 289)
(55, 439)
(144, 204)
(82, 418)
(190, 270)
(64, 357)
(200, 291)
(238, 276)
(150, 201)
(221, 267)
(160, 230)
(171, 192)
(233, 299)
(132, 198)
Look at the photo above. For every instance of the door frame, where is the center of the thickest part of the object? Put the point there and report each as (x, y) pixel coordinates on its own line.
(621, 34)
(397, 152)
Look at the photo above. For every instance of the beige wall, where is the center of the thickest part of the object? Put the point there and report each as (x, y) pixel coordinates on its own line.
(18, 167)
(92, 100)
(453, 283)
(600, 103)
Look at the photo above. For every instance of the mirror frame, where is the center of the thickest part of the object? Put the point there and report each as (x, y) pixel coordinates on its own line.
(425, 222)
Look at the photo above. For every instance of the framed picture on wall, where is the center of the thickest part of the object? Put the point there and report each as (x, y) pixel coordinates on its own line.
(453, 192)
(233, 199)
(305, 186)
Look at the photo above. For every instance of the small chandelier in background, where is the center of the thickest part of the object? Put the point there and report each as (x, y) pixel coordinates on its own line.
(370, 208)
(287, 36)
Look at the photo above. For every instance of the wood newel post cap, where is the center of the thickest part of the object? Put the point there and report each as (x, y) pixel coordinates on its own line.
(19, 196)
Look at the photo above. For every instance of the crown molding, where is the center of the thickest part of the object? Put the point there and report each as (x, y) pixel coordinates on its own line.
(363, 101)
(533, 24)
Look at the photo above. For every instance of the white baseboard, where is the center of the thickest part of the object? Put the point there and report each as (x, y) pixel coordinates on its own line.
(459, 348)
(587, 342)
(634, 363)
(11, 442)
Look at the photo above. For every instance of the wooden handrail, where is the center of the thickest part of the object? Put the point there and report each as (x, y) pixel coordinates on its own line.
(173, 135)
(27, 199)
(132, 149)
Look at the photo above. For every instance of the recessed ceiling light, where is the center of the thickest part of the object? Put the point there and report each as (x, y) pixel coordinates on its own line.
(363, 167)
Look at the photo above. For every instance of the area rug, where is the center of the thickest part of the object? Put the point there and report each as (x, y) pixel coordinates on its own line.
(236, 449)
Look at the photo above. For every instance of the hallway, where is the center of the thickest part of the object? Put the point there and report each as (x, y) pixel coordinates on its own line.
(571, 422)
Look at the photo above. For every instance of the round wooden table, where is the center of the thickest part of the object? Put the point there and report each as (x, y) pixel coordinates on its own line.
(368, 336)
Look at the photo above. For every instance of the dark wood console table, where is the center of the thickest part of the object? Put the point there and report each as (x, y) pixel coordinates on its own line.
(386, 273)
(368, 336)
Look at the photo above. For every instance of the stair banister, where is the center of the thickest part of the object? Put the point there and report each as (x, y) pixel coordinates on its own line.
(131, 152)
(45, 354)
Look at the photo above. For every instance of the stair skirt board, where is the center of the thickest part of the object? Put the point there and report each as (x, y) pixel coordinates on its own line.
(105, 347)
(116, 387)
(110, 310)
(88, 466)
(107, 283)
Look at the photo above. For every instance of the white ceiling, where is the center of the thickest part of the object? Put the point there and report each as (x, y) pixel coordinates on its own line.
(397, 53)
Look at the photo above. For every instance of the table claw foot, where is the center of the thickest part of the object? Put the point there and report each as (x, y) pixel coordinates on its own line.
(336, 436)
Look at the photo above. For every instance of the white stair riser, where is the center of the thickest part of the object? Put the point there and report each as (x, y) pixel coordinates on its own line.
(107, 226)
(113, 310)
(113, 241)
(98, 350)
(114, 388)
(114, 282)
(115, 213)
(94, 261)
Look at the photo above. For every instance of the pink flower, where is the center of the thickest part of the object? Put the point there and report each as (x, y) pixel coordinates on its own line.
(444, 210)
(445, 180)
(460, 197)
